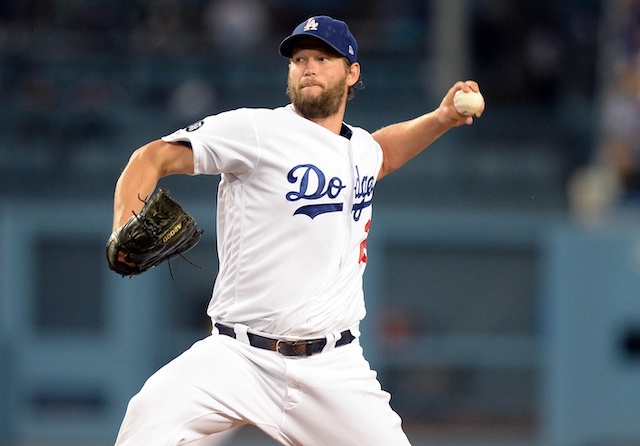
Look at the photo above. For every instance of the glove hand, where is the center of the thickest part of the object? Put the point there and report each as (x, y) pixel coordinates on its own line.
(117, 257)
(162, 230)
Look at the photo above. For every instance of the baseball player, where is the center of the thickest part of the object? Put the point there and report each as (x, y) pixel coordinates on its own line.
(293, 215)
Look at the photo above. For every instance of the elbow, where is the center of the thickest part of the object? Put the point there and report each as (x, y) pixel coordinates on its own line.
(145, 159)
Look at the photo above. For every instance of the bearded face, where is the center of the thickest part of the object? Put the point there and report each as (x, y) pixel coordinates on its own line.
(321, 105)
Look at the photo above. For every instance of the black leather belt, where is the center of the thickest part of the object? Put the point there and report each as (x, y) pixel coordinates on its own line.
(287, 347)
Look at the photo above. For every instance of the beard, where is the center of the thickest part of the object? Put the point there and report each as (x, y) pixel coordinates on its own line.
(326, 104)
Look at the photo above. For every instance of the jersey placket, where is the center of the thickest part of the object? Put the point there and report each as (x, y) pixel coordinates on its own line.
(349, 200)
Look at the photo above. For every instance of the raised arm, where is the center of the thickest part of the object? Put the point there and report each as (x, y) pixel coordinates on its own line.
(139, 178)
(402, 141)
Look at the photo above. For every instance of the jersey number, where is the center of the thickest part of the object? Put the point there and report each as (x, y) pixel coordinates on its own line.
(363, 244)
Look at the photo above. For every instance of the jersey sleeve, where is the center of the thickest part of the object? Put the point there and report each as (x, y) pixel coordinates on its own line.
(222, 143)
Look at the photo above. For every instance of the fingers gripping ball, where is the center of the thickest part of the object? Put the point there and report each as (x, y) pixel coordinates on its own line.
(468, 103)
(162, 230)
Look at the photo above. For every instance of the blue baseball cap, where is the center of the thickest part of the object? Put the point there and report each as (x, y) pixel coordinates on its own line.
(334, 33)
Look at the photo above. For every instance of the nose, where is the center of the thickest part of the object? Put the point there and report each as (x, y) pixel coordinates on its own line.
(310, 67)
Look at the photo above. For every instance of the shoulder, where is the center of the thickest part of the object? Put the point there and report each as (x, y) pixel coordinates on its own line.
(262, 111)
(236, 121)
(258, 114)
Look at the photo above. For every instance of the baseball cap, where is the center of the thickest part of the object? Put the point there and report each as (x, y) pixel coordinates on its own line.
(334, 33)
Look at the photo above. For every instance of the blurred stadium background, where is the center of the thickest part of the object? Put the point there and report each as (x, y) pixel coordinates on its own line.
(503, 279)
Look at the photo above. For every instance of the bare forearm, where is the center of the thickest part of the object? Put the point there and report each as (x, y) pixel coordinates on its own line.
(137, 181)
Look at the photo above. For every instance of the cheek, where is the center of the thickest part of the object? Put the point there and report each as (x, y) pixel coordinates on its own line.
(294, 76)
(291, 82)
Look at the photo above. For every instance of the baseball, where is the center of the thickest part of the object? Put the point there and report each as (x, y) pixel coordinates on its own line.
(468, 103)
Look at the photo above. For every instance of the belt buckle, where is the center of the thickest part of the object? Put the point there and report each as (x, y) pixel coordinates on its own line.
(293, 343)
(281, 342)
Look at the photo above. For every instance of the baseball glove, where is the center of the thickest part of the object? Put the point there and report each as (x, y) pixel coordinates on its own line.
(162, 230)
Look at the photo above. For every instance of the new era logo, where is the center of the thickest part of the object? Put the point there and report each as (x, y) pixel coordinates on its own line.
(311, 25)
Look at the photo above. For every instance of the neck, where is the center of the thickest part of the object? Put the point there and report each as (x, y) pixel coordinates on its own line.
(332, 123)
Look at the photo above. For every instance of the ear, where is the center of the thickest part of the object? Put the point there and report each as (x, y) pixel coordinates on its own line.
(354, 74)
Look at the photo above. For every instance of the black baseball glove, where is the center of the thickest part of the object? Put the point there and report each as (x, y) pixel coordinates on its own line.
(162, 230)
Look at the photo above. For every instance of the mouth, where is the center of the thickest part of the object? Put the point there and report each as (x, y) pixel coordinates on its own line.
(309, 84)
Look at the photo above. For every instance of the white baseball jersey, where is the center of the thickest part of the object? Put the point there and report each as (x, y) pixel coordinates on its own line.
(294, 210)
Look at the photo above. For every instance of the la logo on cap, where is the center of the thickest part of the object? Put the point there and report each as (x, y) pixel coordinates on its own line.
(311, 25)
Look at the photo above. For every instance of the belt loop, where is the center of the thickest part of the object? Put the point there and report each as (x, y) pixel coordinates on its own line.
(241, 333)
(332, 338)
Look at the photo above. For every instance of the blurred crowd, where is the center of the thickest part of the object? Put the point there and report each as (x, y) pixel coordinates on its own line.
(181, 27)
(78, 77)
(529, 49)
(620, 137)
(113, 35)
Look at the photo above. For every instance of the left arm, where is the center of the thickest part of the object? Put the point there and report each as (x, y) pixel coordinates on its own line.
(402, 141)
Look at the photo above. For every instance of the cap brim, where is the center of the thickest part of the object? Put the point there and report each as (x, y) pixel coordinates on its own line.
(288, 44)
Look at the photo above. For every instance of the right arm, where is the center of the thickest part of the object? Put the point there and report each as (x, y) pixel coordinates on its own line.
(139, 178)
(402, 141)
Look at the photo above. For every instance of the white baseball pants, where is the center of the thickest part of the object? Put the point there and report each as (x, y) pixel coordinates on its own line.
(329, 399)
